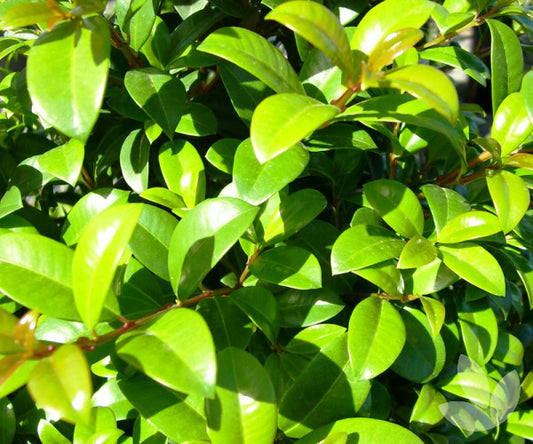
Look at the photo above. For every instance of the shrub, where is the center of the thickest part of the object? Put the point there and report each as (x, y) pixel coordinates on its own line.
(252, 222)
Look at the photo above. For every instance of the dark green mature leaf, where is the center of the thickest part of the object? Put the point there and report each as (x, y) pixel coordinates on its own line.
(445, 204)
(468, 226)
(376, 336)
(200, 240)
(291, 267)
(255, 181)
(244, 408)
(323, 392)
(475, 265)
(141, 22)
(366, 430)
(67, 73)
(506, 62)
(61, 384)
(180, 417)
(320, 27)
(160, 95)
(102, 248)
(510, 196)
(363, 245)
(176, 350)
(38, 281)
(134, 157)
(8, 421)
(254, 54)
(397, 205)
(282, 120)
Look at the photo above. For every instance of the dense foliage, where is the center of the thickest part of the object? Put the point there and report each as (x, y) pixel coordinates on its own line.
(252, 222)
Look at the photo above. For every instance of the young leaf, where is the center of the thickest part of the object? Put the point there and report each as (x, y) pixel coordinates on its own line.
(282, 120)
(445, 204)
(160, 95)
(468, 226)
(67, 73)
(176, 350)
(435, 313)
(134, 157)
(103, 246)
(25, 14)
(475, 265)
(244, 409)
(203, 236)
(393, 45)
(397, 205)
(417, 253)
(320, 27)
(376, 336)
(254, 54)
(65, 161)
(426, 413)
(61, 384)
(386, 276)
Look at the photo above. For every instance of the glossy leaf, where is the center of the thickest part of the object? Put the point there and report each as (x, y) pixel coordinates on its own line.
(282, 120)
(64, 162)
(506, 62)
(520, 423)
(103, 246)
(254, 54)
(244, 408)
(255, 181)
(8, 323)
(200, 240)
(221, 154)
(14, 373)
(509, 349)
(468, 226)
(385, 276)
(320, 27)
(475, 265)
(435, 313)
(445, 204)
(48, 434)
(176, 350)
(183, 170)
(393, 45)
(397, 205)
(291, 267)
(520, 160)
(426, 413)
(25, 14)
(134, 157)
(61, 384)
(376, 336)
(197, 120)
(512, 124)
(417, 253)
(364, 245)
(324, 391)
(510, 196)
(42, 282)
(160, 95)
(67, 73)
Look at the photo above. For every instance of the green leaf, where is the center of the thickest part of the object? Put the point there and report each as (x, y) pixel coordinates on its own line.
(67, 73)
(221, 154)
(87, 208)
(512, 124)
(157, 46)
(294, 212)
(41, 281)
(426, 413)
(197, 120)
(506, 62)
(151, 239)
(255, 181)
(14, 373)
(427, 84)
(134, 158)
(509, 349)
(363, 245)
(527, 92)
(479, 329)
(445, 204)
(282, 120)
(435, 314)
(520, 423)
(397, 205)
(200, 240)
(459, 58)
(386, 276)
(468, 226)
(510, 196)
(302, 308)
(376, 336)
(183, 170)
(11, 201)
(164, 197)
(320, 27)
(261, 307)
(64, 162)
(102, 430)
(254, 54)
(291, 267)
(176, 415)
(323, 392)
(366, 430)
(61, 384)
(475, 265)
(48, 434)
(8, 422)
(141, 22)
(176, 349)
(160, 95)
(386, 17)
(423, 356)
(25, 14)
(417, 253)
(102, 248)
(8, 323)
(244, 409)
